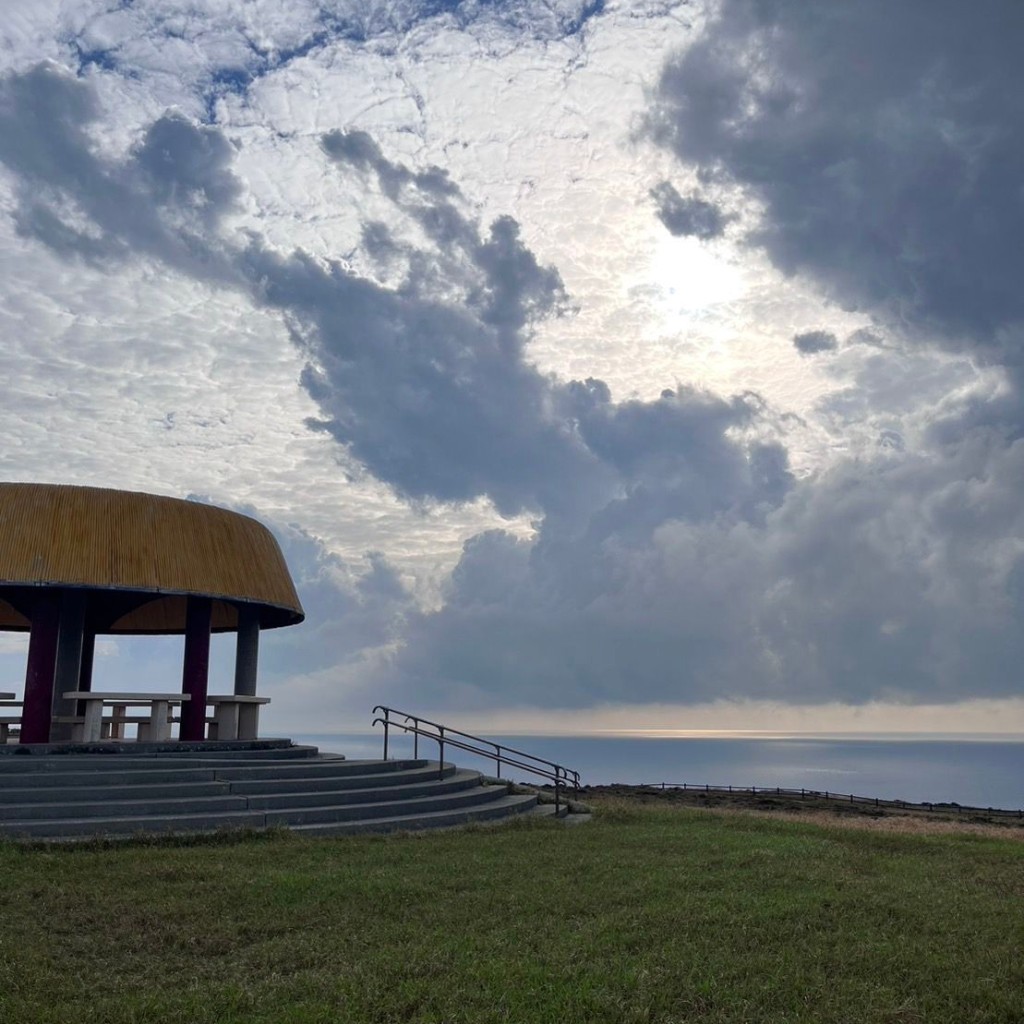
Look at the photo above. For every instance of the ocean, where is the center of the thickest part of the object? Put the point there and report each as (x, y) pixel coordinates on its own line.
(972, 771)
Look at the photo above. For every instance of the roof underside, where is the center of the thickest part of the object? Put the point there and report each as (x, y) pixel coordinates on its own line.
(138, 557)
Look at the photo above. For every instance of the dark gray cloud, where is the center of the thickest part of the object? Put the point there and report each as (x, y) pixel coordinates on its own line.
(161, 201)
(865, 336)
(883, 143)
(896, 579)
(429, 396)
(689, 216)
(359, 149)
(188, 166)
(811, 343)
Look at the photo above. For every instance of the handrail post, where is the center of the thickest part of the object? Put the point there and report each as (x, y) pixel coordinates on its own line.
(440, 756)
(558, 776)
(386, 723)
(497, 747)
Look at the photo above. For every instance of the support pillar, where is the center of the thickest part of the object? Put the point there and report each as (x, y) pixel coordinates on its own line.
(39, 672)
(68, 668)
(196, 668)
(85, 669)
(247, 650)
(88, 653)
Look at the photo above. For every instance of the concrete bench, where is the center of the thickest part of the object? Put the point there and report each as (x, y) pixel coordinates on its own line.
(154, 726)
(236, 716)
(7, 721)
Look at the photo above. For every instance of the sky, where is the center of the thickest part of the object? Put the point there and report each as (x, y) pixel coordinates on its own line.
(598, 365)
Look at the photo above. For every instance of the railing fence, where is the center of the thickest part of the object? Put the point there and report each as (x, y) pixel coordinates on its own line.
(831, 795)
(503, 756)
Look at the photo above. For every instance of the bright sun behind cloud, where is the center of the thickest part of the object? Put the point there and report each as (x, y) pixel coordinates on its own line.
(690, 276)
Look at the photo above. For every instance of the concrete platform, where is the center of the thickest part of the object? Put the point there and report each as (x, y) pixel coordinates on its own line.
(68, 792)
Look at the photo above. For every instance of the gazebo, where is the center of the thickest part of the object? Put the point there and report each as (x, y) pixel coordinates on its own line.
(81, 562)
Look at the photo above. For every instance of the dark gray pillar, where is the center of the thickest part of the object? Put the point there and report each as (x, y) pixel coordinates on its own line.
(68, 668)
(196, 668)
(85, 672)
(42, 659)
(247, 650)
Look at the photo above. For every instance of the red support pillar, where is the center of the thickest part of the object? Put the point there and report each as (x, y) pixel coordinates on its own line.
(196, 668)
(42, 662)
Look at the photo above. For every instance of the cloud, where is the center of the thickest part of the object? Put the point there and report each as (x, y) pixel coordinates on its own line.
(425, 384)
(690, 216)
(896, 579)
(674, 557)
(811, 343)
(885, 163)
(161, 201)
(199, 58)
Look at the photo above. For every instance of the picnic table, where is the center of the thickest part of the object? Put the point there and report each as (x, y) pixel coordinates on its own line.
(154, 725)
(235, 716)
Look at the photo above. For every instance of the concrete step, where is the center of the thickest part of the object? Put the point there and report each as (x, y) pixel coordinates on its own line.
(293, 753)
(373, 773)
(477, 802)
(66, 788)
(11, 815)
(113, 791)
(12, 755)
(75, 796)
(494, 810)
(84, 828)
(148, 771)
(422, 804)
(370, 793)
(136, 801)
(69, 779)
(122, 760)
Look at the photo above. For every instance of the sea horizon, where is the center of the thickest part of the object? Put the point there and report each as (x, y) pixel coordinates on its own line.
(972, 769)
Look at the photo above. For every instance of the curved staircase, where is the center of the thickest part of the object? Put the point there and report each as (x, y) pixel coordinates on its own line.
(124, 790)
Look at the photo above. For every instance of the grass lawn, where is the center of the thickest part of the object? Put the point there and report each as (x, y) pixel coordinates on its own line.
(647, 913)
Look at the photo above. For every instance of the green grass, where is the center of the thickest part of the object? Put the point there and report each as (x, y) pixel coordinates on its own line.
(644, 914)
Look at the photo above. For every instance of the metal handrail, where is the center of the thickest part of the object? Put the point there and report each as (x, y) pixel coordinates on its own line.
(499, 752)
